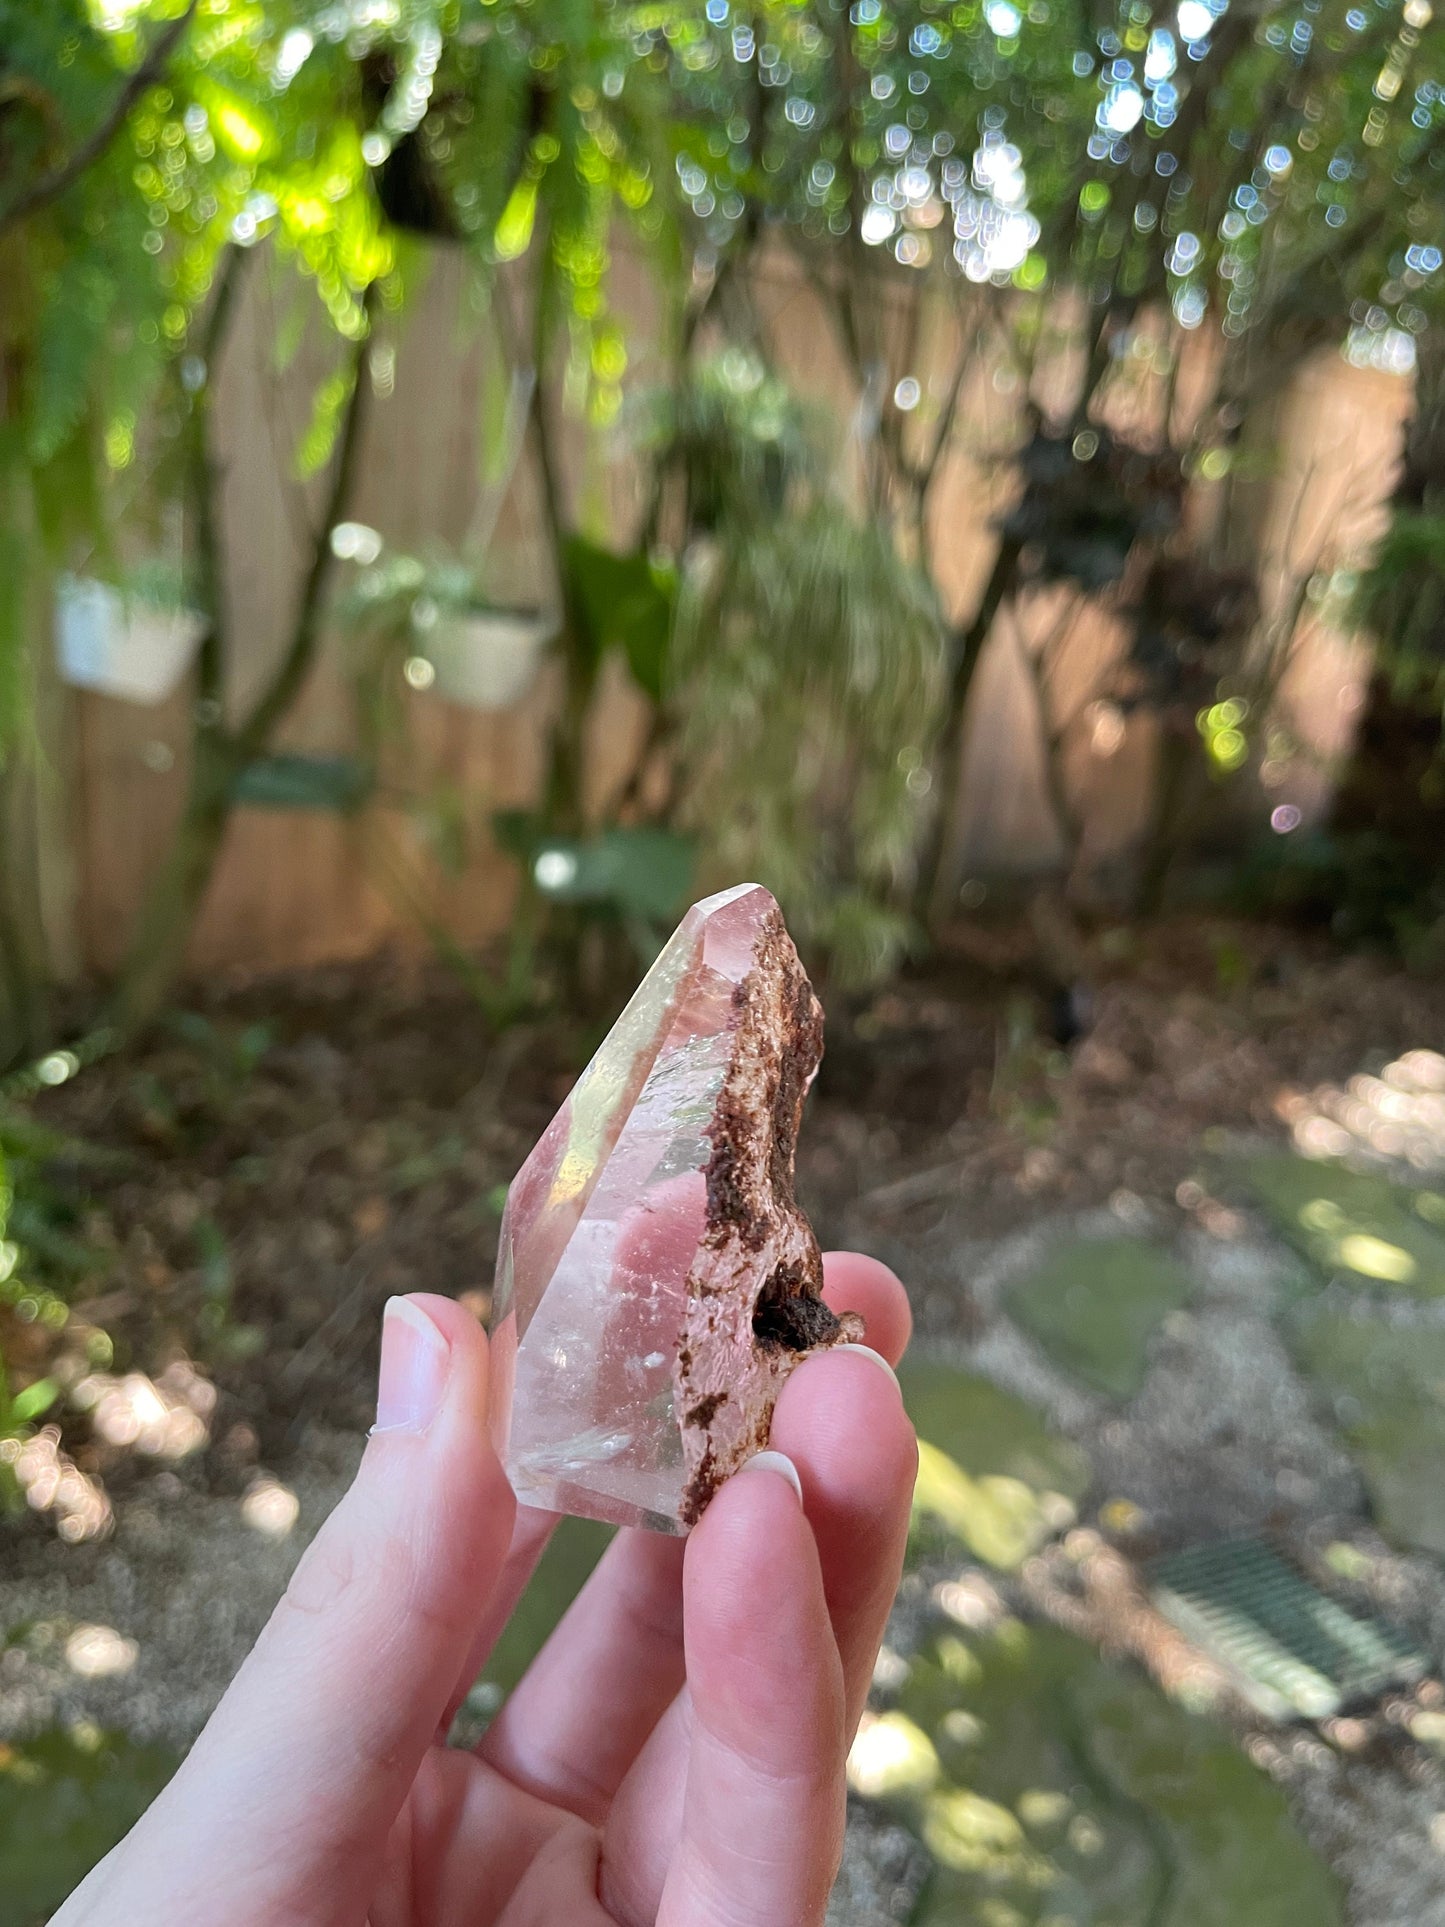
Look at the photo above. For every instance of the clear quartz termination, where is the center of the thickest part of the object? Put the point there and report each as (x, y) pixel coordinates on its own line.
(656, 1280)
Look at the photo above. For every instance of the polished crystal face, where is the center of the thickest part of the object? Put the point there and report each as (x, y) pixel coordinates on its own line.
(626, 1371)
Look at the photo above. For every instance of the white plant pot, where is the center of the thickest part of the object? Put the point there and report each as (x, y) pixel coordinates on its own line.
(119, 647)
(490, 659)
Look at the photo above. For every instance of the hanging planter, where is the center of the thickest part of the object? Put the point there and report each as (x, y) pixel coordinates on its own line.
(451, 639)
(484, 658)
(122, 645)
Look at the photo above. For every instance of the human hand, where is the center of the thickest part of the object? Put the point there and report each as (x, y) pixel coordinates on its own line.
(675, 1753)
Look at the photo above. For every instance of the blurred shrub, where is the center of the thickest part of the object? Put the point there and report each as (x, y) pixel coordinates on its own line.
(43, 1263)
(1400, 600)
(1363, 886)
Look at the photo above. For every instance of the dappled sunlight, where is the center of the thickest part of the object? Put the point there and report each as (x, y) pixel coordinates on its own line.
(1398, 1115)
(1355, 1223)
(1000, 1519)
(164, 1418)
(969, 1601)
(270, 1508)
(990, 1476)
(971, 1834)
(1376, 1258)
(52, 1482)
(100, 1652)
(891, 1755)
(1051, 1785)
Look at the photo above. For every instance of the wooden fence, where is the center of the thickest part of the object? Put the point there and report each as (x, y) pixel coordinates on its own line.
(297, 886)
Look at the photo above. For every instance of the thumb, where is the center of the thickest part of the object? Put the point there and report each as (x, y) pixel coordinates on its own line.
(282, 1810)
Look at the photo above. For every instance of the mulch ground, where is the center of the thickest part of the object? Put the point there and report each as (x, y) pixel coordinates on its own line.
(282, 1157)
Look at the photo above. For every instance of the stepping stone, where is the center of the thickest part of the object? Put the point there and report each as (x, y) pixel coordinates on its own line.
(990, 1473)
(1094, 1304)
(1386, 1385)
(1354, 1225)
(1052, 1785)
(1290, 1648)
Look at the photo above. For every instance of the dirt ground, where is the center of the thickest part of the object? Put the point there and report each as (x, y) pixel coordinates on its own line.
(276, 1163)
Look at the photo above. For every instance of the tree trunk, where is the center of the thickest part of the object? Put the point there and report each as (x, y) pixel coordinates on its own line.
(38, 940)
(1178, 772)
(24, 999)
(158, 947)
(937, 878)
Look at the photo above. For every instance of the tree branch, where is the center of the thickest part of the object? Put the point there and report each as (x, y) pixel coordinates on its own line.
(204, 483)
(279, 694)
(49, 187)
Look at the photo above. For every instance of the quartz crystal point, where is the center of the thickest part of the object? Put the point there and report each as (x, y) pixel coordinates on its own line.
(657, 1281)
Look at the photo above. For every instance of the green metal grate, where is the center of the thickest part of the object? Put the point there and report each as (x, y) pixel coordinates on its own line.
(1292, 1650)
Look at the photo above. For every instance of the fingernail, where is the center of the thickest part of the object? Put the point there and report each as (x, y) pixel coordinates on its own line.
(415, 1361)
(774, 1462)
(867, 1351)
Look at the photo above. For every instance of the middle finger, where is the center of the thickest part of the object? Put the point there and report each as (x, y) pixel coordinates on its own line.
(842, 1423)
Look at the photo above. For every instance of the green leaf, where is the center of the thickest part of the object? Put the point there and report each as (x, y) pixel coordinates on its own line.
(34, 1402)
(514, 231)
(243, 129)
(518, 833)
(625, 602)
(215, 1257)
(321, 431)
(638, 873)
(443, 821)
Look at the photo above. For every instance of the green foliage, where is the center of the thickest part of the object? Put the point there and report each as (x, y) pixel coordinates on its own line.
(739, 436)
(807, 665)
(66, 1797)
(571, 1554)
(106, 280)
(397, 592)
(639, 876)
(40, 1261)
(288, 781)
(1088, 186)
(1364, 885)
(328, 409)
(803, 663)
(1400, 602)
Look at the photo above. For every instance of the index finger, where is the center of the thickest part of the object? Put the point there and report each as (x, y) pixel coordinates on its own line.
(841, 1422)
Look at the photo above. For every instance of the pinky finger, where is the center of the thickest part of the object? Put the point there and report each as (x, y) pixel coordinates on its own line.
(762, 1824)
